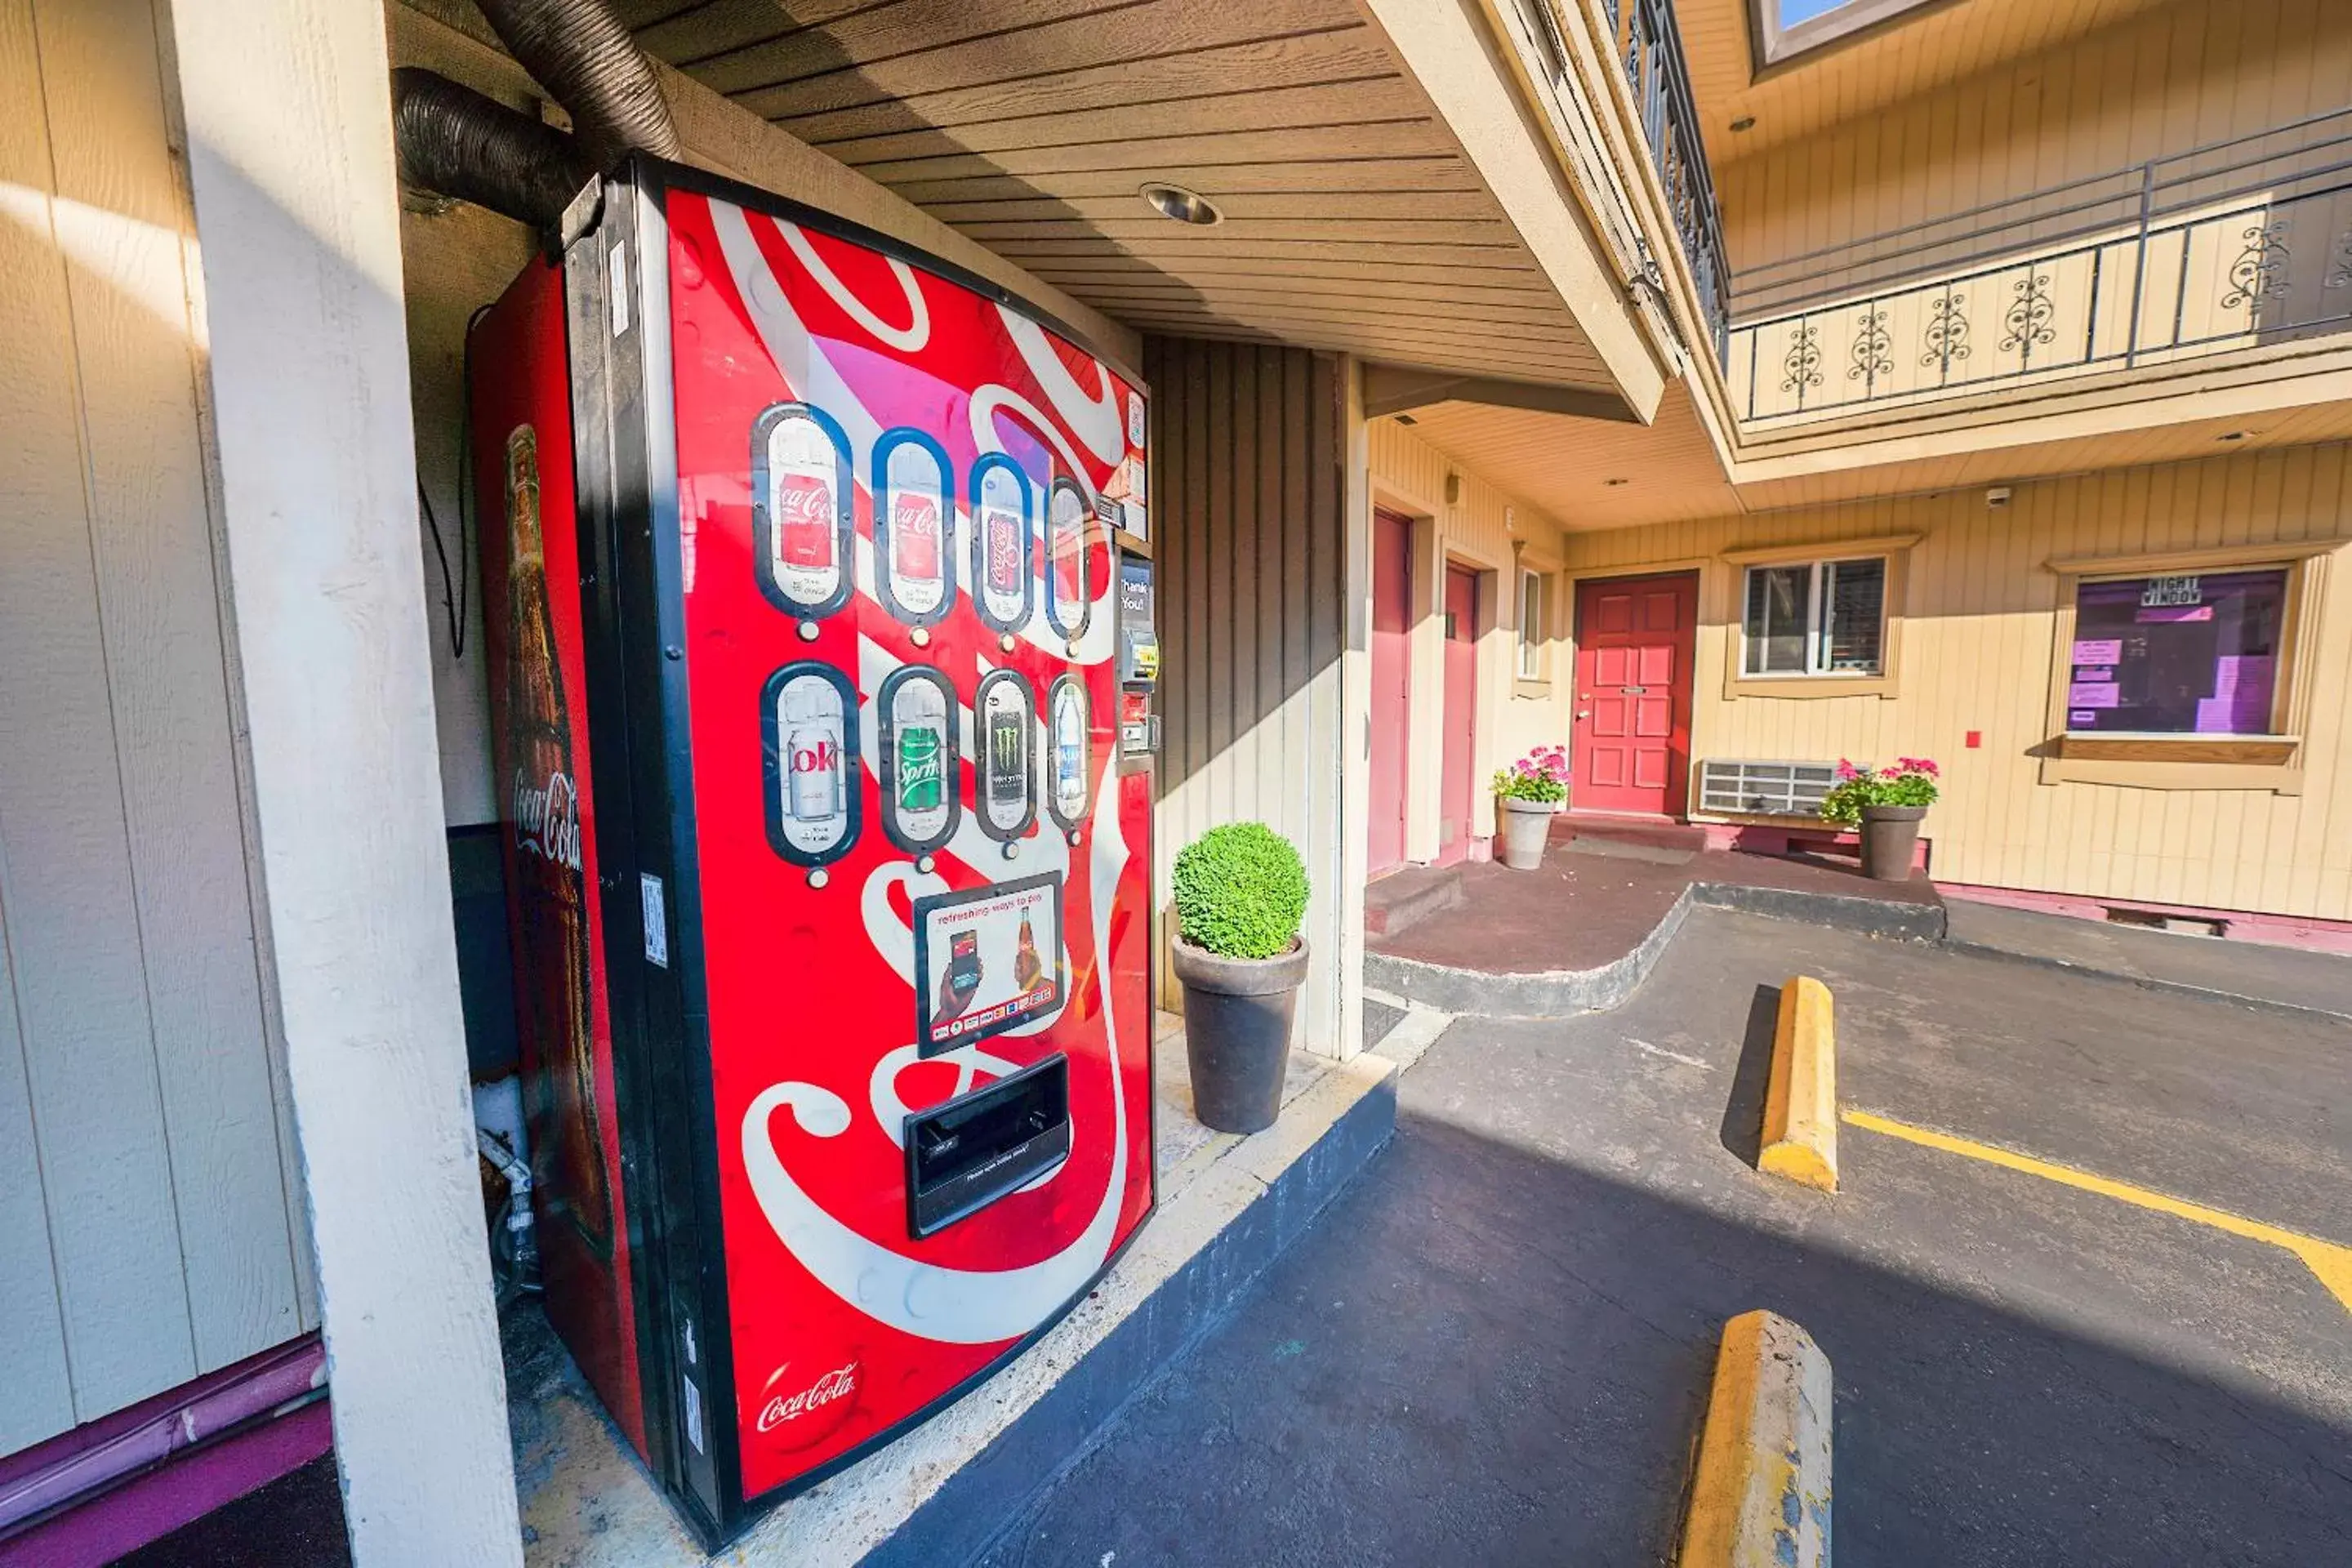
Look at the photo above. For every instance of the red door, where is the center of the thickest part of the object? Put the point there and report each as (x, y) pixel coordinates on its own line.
(1632, 737)
(1391, 686)
(1458, 788)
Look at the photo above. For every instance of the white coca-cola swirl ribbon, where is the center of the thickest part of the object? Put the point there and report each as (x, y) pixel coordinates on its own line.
(906, 340)
(929, 1301)
(1093, 418)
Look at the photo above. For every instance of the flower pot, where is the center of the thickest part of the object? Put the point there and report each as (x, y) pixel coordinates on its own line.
(1527, 827)
(1890, 835)
(1237, 1014)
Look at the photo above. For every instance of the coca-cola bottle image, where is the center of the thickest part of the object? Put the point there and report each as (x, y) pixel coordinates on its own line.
(567, 1146)
(1027, 967)
(805, 505)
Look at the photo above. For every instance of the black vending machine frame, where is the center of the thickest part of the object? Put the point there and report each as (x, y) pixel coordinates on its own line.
(633, 638)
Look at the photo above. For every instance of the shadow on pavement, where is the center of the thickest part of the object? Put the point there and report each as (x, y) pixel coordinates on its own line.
(1743, 1112)
(1485, 1355)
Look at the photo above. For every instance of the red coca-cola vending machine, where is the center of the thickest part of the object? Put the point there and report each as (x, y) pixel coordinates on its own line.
(822, 660)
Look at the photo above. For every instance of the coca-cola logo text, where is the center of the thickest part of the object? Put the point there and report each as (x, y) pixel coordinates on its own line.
(547, 819)
(832, 1388)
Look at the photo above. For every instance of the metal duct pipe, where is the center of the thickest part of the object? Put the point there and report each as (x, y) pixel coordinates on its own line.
(453, 140)
(582, 54)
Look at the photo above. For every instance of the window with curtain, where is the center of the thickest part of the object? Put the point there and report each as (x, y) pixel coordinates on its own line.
(1816, 617)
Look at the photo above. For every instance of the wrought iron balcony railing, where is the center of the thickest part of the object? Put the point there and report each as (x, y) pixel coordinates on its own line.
(1652, 49)
(2243, 244)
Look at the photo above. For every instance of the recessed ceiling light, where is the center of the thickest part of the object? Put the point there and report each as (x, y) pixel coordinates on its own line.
(1183, 205)
(1613, 484)
(1745, 122)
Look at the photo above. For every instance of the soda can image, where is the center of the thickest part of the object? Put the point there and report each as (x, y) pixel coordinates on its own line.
(1002, 514)
(809, 729)
(1005, 712)
(920, 747)
(913, 521)
(801, 509)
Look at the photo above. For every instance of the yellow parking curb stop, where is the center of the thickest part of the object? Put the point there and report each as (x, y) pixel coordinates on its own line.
(1760, 1498)
(1800, 1103)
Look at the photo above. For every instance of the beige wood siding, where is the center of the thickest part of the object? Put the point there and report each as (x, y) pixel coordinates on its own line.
(1248, 501)
(1487, 528)
(2159, 83)
(150, 1219)
(1979, 615)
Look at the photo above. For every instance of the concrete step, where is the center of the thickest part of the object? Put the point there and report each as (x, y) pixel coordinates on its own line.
(1403, 900)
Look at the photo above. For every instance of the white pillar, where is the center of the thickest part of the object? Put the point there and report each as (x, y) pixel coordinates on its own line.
(290, 144)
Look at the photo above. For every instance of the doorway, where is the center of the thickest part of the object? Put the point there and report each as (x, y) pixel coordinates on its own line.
(1391, 715)
(1457, 787)
(1630, 741)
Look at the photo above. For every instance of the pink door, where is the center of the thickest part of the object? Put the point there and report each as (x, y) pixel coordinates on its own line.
(1391, 686)
(1458, 788)
(1630, 740)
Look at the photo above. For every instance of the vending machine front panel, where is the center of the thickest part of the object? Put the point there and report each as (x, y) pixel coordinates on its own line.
(918, 875)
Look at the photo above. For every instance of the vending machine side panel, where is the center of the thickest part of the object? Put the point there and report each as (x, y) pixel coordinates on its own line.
(521, 433)
(616, 268)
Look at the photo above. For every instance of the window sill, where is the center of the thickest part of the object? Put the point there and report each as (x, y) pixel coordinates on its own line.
(1808, 686)
(2267, 763)
(2272, 750)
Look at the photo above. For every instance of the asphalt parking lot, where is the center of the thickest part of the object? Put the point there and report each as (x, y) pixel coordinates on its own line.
(1493, 1348)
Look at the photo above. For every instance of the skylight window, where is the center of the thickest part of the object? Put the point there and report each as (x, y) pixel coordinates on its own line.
(1788, 28)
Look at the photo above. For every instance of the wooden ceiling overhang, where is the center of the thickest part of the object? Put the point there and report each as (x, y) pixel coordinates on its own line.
(1360, 213)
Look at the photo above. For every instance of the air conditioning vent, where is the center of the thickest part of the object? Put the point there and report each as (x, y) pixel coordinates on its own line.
(1764, 789)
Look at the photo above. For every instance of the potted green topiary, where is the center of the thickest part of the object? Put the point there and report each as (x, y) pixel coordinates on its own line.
(1886, 803)
(1240, 892)
(1528, 796)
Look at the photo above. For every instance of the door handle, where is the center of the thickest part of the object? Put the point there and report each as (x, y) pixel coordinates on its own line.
(1583, 713)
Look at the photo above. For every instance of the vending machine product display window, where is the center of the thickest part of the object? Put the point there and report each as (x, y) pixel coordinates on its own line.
(829, 880)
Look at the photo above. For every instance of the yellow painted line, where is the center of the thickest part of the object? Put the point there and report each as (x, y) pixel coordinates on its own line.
(2331, 1262)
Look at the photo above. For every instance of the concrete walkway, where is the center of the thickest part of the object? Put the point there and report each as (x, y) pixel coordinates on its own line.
(2242, 971)
(1493, 1349)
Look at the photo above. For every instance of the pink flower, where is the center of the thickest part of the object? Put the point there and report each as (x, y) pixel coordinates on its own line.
(1847, 771)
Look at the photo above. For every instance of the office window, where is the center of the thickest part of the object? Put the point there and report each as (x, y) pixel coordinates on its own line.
(1535, 623)
(1816, 617)
(2181, 654)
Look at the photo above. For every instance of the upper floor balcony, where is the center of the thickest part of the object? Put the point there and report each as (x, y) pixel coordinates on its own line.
(2243, 244)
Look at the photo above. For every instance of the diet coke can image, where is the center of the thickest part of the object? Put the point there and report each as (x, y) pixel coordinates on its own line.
(911, 526)
(1002, 507)
(801, 509)
(807, 719)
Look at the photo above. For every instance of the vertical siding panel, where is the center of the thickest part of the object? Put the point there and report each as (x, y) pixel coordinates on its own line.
(64, 852)
(151, 546)
(1248, 513)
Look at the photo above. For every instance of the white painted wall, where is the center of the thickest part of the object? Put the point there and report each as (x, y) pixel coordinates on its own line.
(291, 161)
(151, 1226)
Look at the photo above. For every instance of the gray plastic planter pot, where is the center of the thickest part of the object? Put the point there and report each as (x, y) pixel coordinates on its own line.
(1237, 1014)
(1890, 836)
(1527, 828)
